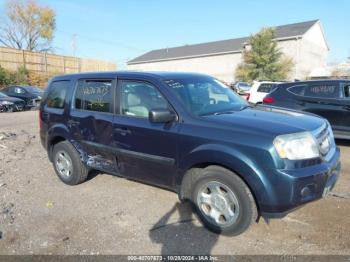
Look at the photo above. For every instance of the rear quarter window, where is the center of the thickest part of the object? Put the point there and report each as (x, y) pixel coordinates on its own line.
(297, 90)
(57, 94)
(323, 90)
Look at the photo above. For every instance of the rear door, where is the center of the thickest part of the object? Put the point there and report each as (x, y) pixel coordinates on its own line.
(344, 118)
(145, 151)
(324, 99)
(91, 122)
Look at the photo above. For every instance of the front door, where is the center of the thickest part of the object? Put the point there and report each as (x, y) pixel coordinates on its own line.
(145, 151)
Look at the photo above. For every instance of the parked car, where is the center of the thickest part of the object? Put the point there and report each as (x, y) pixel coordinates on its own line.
(242, 87)
(327, 98)
(9, 104)
(30, 94)
(259, 90)
(193, 135)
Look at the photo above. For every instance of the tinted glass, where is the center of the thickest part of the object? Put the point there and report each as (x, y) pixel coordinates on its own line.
(2, 95)
(57, 94)
(94, 95)
(17, 90)
(297, 90)
(322, 90)
(266, 88)
(138, 98)
(205, 95)
(347, 91)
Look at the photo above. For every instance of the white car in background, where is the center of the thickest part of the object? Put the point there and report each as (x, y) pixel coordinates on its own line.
(259, 90)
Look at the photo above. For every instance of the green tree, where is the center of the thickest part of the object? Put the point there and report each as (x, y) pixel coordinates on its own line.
(27, 25)
(262, 59)
(4, 77)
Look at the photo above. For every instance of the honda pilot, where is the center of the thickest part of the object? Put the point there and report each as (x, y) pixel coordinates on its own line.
(191, 134)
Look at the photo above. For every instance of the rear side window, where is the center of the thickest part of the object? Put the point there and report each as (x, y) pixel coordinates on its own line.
(266, 88)
(322, 90)
(297, 90)
(347, 91)
(94, 95)
(57, 94)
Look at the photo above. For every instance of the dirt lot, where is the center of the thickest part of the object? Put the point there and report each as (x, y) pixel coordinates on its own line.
(111, 215)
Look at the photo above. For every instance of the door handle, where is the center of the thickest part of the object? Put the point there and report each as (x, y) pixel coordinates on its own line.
(346, 107)
(122, 130)
(71, 123)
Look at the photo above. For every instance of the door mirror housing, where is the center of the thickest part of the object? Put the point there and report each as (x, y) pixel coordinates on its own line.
(161, 115)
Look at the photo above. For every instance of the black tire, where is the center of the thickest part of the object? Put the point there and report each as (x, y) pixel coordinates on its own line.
(247, 213)
(79, 172)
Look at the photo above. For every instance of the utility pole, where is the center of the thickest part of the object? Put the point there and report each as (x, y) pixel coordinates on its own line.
(74, 44)
(74, 49)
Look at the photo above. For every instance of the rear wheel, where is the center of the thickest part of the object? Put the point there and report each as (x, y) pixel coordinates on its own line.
(223, 201)
(68, 165)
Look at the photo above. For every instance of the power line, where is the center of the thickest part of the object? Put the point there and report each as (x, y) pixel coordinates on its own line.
(104, 41)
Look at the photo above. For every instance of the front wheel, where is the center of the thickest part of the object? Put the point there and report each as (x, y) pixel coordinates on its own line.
(223, 201)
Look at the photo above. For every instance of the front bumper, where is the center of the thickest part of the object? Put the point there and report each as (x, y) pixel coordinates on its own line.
(294, 188)
(35, 102)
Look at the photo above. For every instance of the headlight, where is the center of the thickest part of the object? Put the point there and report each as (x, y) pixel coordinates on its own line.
(296, 146)
(5, 103)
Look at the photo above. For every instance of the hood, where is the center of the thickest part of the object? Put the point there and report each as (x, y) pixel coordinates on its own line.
(11, 99)
(39, 93)
(270, 121)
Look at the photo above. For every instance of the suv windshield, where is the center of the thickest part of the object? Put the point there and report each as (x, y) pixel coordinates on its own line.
(205, 95)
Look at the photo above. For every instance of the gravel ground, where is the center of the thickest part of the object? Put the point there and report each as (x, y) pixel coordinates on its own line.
(111, 215)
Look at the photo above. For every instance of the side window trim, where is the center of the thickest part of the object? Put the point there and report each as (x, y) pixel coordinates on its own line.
(118, 97)
(76, 84)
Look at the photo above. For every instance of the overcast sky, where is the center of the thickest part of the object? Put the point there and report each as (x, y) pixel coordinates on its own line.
(121, 30)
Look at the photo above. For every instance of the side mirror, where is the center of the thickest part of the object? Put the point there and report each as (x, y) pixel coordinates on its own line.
(161, 116)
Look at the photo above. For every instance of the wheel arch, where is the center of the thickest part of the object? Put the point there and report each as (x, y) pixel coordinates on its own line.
(56, 134)
(230, 159)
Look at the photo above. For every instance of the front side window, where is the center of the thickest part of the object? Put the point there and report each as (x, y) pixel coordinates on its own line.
(322, 90)
(204, 95)
(138, 98)
(94, 95)
(57, 94)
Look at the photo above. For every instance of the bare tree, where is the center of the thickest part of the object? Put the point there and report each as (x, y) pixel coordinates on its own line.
(27, 25)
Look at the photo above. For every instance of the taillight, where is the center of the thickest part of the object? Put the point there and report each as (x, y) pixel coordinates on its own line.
(268, 100)
(248, 96)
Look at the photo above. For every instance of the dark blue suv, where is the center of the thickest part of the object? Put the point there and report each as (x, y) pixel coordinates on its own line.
(193, 135)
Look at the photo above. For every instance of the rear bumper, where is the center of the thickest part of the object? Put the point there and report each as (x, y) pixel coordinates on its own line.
(294, 188)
